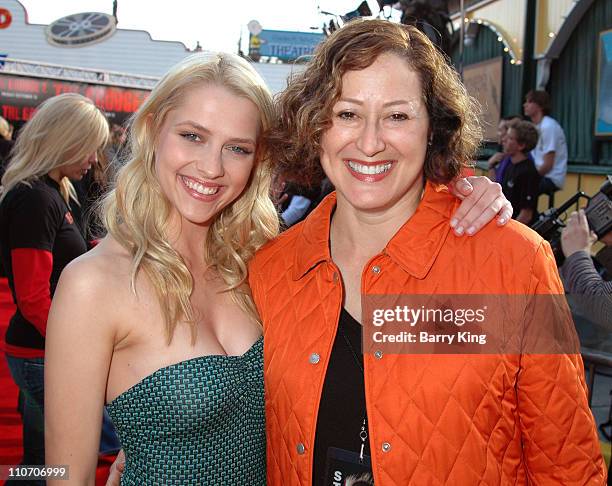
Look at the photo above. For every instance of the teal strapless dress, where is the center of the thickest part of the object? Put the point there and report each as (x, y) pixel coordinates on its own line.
(200, 421)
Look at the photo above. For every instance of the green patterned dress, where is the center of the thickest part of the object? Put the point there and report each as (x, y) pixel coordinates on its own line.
(197, 422)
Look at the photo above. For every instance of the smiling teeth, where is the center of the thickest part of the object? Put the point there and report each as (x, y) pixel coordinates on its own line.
(370, 169)
(199, 188)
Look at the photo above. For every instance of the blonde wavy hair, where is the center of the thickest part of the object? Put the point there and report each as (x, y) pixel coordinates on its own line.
(136, 211)
(65, 130)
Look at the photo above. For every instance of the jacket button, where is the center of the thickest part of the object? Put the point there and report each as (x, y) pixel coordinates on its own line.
(314, 358)
(376, 269)
(386, 447)
(300, 449)
(378, 354)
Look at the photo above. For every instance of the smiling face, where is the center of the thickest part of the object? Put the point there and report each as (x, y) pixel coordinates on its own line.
(205, 152)
(375, 150)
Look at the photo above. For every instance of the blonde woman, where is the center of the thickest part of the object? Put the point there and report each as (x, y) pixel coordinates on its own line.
(6, 143)
(157, 320)
(39, 236)
(6, 129)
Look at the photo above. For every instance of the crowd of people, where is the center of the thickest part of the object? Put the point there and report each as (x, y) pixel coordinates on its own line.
(535, 151)
(228, 352)
(532, 162)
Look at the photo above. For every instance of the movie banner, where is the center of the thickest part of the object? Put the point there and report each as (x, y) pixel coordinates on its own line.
(20, 95)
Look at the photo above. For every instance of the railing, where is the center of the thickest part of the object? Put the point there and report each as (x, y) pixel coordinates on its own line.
(68, 73)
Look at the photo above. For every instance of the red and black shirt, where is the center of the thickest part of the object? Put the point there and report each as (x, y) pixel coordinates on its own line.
(38, 238)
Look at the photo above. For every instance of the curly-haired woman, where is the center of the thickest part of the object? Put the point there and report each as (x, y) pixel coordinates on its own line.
(382, 114)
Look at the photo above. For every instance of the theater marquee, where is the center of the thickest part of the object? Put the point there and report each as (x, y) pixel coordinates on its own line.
(20, 95)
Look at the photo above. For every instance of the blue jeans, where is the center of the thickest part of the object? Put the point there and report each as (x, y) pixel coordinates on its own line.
(29, 375)
(109, 442)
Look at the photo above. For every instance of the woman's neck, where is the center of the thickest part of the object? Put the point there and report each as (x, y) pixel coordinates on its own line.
(55, 174)
(189, 240)
(366, 232)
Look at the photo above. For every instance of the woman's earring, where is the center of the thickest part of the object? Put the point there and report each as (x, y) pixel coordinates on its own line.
(430, 141)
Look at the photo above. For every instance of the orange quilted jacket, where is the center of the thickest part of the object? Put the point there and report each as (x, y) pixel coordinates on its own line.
(433, 419)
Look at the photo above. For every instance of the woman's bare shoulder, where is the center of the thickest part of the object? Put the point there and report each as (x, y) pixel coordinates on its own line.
(92, 293)
(105, 270)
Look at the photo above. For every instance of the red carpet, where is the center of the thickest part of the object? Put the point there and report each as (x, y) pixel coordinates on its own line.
(10, 421)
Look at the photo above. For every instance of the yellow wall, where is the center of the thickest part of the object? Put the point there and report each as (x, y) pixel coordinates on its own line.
(588, 183)
(507, 17)
(550, 16)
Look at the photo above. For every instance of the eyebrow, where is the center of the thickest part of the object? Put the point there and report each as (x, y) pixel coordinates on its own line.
(390, 103)
(200, 128)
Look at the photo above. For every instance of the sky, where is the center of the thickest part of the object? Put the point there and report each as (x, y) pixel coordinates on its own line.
(217, 25)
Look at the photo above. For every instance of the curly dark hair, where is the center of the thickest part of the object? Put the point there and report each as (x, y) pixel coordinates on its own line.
(305, 106)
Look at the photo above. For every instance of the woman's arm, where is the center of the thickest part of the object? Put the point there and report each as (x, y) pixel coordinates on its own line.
(482, 201)
(79, 347)
(31, 249)
(588, 289)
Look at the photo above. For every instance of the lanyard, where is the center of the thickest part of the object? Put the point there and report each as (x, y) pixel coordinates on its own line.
(363, 433)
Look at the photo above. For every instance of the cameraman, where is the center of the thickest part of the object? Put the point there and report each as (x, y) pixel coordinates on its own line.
(578, 271)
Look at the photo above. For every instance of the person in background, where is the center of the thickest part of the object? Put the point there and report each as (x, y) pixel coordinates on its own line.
(115, 152)
(90, 190)
(498, 162)
(6, 146)
(6, 143)
(521, 179)
(39, 236)
(579, 275)
(550, 153)
(300, 201)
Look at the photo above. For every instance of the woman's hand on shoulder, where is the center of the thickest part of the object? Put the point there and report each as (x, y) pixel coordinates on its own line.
(482, 200)
(79, 347)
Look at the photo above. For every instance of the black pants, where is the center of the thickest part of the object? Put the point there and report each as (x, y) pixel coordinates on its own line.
(547, 186)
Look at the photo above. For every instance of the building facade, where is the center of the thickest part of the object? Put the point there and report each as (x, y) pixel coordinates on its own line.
(556, 45)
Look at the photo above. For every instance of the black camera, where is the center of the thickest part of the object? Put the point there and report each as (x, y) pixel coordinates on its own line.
(598, 213)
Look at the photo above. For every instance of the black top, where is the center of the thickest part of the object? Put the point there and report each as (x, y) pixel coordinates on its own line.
(5, 149)
(35, 220)
(342, 407)
(520, 185)
(89, 191)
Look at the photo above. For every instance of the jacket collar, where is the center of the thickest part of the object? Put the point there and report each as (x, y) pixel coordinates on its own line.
(414, 247)
(313, 247)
